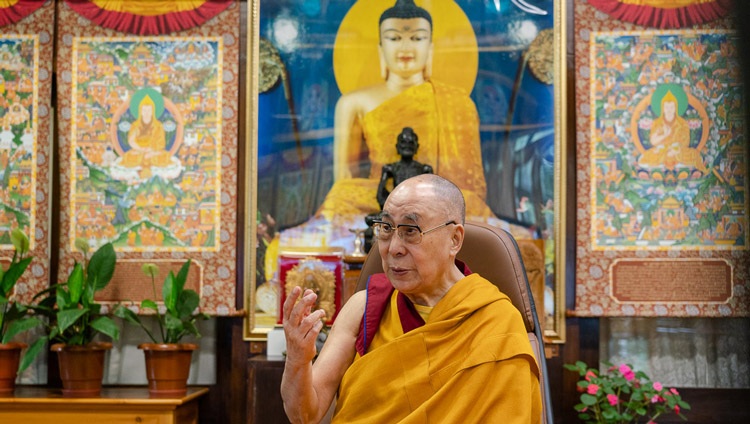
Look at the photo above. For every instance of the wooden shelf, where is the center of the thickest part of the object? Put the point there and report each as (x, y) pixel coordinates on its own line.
(116, 405)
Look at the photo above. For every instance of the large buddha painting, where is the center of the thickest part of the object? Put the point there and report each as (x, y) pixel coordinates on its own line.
(147, 139)
(337, 82)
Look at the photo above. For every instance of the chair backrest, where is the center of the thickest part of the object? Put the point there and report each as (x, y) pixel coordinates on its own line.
(494, 254)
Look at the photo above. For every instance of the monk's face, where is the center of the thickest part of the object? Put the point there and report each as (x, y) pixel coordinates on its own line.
(417, 270)
(147, 113)
(405, 45)
(669, 110)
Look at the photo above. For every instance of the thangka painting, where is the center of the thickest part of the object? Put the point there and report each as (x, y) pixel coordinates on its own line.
(669, 161)
(25, 88)
(150, 152)
(146, 134)
(663, 173)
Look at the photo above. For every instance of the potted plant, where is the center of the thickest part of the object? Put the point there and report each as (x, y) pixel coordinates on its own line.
(15, 317)
(76, 320)
(168, 360)
(623, 395)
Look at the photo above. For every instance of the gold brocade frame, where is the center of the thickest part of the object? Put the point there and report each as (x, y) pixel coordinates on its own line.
(555, 332)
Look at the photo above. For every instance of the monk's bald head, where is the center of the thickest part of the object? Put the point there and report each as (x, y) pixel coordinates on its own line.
(444, 193)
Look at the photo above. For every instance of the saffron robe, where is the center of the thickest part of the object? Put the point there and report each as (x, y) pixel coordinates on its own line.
(151, 142)
(675, 149)
(446, 122)
(471, 362)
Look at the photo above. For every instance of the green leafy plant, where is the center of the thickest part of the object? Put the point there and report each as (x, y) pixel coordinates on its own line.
(180, 306)
(75, 317)
(622, 395)
(14, 316)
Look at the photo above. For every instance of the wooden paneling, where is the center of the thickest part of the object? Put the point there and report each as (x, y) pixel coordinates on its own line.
(264, 403)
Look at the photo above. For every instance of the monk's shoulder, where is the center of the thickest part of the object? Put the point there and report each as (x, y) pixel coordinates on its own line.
(350, 316)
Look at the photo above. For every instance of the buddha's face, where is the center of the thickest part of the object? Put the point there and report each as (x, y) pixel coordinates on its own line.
(407, 145)
(405, 45)
(147, 112)
(669, 109)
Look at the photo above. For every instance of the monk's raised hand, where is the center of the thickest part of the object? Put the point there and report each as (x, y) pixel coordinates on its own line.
(301, 324)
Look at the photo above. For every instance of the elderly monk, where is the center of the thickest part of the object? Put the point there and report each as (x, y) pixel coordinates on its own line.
(427, 341)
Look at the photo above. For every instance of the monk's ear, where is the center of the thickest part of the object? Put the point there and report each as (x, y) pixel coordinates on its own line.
(428, 65)
(457, 238)
(383, 64)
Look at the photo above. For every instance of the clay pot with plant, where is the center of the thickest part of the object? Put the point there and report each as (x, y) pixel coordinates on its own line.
(167, 359)
(77, 321)
(15, 318)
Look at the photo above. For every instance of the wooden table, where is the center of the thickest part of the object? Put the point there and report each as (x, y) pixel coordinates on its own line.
(117, 405)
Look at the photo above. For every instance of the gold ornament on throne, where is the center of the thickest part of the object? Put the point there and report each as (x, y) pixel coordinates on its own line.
(311, 273)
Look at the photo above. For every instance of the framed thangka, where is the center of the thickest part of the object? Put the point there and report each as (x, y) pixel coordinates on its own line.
(486, 105)
(663, 207)
(150, 155)
(26, 51)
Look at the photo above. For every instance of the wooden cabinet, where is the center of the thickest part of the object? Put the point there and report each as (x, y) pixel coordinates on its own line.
(264, 403)
(32, 405)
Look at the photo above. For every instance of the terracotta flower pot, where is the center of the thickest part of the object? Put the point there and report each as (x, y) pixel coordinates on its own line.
(167, 368)
(81, 368)
(10, 356)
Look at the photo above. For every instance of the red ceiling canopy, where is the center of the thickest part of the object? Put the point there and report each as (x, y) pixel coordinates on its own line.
(664, 14)
(148, 17)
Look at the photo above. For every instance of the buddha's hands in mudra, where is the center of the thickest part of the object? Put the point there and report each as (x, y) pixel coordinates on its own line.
(302, 325)
(660, 135)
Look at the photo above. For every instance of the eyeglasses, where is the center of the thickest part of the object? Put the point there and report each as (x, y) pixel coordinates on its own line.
(410, 234)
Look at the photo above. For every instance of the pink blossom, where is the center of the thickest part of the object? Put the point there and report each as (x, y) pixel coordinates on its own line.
(657, 386)
(612, 399)
(677, 409)
(589, 375)
(651, 422)
(674, 391)
(592, 389)
(627, 372)
(657, 399)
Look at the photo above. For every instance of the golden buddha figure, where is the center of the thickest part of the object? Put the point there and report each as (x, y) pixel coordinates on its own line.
(147, 139)
(670, 136)
(369, 117)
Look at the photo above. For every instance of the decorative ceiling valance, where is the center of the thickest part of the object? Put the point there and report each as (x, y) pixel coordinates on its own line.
(12, 11)
(664, 14)
(148, 17)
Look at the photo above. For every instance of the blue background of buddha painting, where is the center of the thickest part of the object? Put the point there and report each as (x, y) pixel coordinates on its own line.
(292, 183)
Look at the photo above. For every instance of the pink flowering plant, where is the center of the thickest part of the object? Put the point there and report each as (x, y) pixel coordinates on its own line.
(623, 395)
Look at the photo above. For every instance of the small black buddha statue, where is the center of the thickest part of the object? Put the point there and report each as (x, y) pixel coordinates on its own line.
(395, 173)
(407, 144)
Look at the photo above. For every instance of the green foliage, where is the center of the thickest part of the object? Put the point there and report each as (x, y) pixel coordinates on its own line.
(180, 305)
(75, 317)
(14, 316)
(622, 395)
